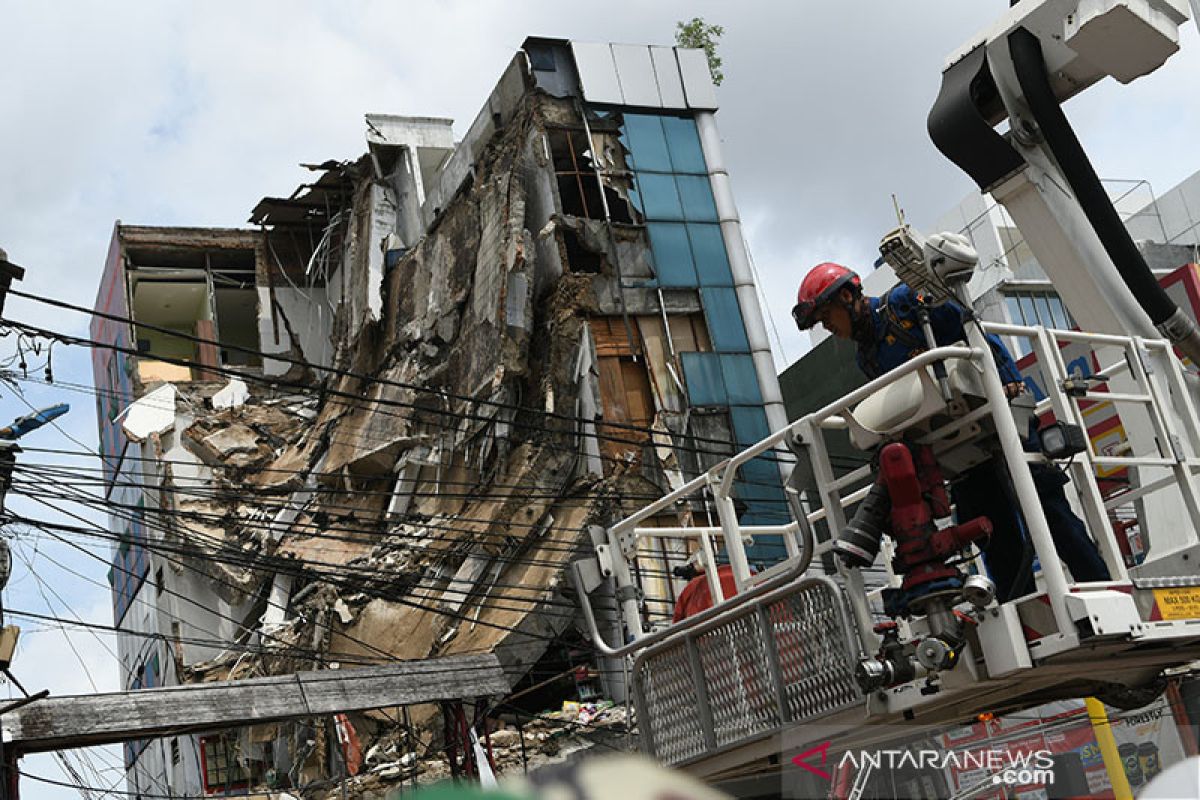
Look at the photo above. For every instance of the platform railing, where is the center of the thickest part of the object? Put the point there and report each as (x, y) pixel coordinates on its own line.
(783, 650)
(1156, 389)
(1158, 385)
(787, 656)
(620, 545)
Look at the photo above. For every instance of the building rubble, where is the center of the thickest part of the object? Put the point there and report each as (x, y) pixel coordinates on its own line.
(437, 366)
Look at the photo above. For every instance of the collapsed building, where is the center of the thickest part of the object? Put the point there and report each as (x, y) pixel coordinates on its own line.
(379, 424)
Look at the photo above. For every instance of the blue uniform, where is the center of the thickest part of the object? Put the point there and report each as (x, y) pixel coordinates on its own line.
(896, 337)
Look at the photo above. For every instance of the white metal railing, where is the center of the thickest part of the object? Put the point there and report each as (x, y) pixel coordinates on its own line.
(1152, 380)
(622, 538)
(1164, 437)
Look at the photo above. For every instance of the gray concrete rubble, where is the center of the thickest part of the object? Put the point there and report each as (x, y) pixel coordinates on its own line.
(466, 362)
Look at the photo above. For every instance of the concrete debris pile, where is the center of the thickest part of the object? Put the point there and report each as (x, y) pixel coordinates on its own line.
(411, 396)
(426, 498)
(548, 738)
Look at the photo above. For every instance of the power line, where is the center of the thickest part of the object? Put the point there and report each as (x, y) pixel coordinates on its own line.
(293, 570)
(729, 447)
(284, 648)
(288, 569)
(369, 379)
(261, 560)
(337, 533)
(358, 402)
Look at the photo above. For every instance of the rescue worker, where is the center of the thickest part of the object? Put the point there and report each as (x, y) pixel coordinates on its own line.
(888, 332)
(697, 595)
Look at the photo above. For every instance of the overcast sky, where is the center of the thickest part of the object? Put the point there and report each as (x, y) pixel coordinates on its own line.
(166, 113)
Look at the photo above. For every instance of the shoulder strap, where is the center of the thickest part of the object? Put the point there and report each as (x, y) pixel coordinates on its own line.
(903, 335)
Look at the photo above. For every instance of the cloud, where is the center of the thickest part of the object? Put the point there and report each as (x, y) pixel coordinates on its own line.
(175, 113)
(184, 113)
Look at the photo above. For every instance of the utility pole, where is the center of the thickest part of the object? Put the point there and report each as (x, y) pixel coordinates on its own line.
(61, 723)
(8, 458)
(8, 455)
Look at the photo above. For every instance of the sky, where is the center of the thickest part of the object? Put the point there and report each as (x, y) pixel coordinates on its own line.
(173, 113)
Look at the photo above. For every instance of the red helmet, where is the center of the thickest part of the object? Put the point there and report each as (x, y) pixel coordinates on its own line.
(820, 285)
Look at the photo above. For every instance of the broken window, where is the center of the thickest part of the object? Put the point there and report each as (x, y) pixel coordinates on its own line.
(578, 183)
(581, 258)
(219, 764)
(675, 194)
(625, 392)
(235, 302)
(206, 293)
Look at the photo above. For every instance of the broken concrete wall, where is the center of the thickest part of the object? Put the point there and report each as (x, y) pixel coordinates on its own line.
(494, 115)
(428, 498)
(297, 323)
(192, 460)
(407, 153)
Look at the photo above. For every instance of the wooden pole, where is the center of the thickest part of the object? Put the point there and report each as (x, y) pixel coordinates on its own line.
(60, 723)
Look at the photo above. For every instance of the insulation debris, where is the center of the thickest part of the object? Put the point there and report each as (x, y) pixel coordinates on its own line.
(150, 414)
(233, 395)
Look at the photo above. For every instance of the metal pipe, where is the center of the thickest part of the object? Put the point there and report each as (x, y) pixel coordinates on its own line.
(715, 590)
(626, 590)
(939, 367)
(1108, 749)
(848, 500)
(1051, 362)
(1127, 497)
(780, 582)
(734, 550)
(1116, 340)
(747, 530)
(658, 505)
(861, 393)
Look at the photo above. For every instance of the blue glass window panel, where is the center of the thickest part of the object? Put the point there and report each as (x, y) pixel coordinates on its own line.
(1028, 312)
(749, 427)
(761, 471)
(696, 194)
(771, 551)
(725, 326)
(672, 254)
(702, 373)
(1014, 310)
(755, 492)
(741, 380)
(684, 143)
(635, 198)
(708, 250)
(646, 142)
(659, 196)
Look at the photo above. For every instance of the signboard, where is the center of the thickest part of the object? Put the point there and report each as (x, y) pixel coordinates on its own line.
(1177, 603)
(1147, 741)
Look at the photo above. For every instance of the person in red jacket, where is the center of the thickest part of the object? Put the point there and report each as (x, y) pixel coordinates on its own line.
(696, 596)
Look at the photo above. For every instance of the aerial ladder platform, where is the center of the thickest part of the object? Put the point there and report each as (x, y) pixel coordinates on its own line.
(882, 621)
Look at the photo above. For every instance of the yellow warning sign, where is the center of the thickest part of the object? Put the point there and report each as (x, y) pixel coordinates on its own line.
(1178, 603)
